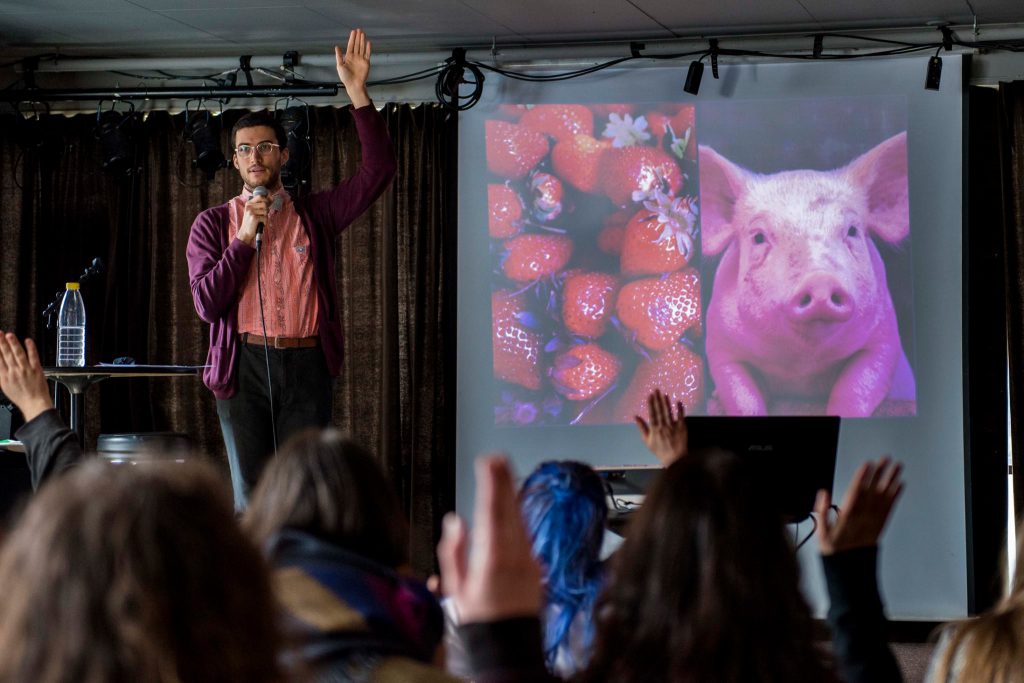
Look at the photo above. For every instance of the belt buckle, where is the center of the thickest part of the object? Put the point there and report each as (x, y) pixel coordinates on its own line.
(278, 343)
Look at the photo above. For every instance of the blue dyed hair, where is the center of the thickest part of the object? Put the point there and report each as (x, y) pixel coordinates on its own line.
(564, 508)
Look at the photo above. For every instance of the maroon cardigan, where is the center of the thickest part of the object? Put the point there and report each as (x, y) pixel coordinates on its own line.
(217, 266)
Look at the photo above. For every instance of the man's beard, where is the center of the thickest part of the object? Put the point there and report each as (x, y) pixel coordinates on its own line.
(273, 182)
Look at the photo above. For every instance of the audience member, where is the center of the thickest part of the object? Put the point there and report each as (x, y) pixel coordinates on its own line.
(337, 539)
(564, 508)
(50, 447)
(135, 574)
(704, 589)
(989, 648)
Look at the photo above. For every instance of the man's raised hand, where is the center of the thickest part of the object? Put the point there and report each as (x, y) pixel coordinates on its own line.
(354, 66)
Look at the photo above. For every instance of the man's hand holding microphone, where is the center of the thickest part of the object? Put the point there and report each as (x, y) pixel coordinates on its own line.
(257, 209)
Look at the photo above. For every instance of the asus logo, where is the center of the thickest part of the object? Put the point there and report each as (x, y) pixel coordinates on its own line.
(761, 448)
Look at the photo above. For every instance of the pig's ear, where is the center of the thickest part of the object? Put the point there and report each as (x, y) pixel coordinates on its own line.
(882, 172)
(722, 183)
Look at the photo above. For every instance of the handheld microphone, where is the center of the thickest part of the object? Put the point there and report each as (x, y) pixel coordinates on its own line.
(259, 191)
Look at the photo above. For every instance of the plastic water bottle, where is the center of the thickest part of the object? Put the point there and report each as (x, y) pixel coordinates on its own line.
(71, 329)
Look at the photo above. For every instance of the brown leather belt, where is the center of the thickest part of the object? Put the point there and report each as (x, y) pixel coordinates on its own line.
(281, 342)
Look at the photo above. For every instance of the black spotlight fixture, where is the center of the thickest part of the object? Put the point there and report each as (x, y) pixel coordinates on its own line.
(295, 173)
(202, 129)
(115, 132)
(933, 79)
(34, 135)
(693, 76)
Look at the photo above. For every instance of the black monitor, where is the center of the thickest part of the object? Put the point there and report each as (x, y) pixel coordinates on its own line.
(793, 456)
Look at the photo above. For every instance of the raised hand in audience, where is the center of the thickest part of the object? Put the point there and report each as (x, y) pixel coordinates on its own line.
(492, 576)
(665, 435)
(21, 376)
(865, 509)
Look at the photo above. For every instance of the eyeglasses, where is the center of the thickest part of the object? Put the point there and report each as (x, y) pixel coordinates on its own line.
(264, 148)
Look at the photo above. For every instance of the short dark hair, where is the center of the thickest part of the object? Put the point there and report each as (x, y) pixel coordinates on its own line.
(329, 486)
(260, 118)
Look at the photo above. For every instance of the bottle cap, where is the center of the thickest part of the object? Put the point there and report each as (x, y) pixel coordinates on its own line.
(72, 285)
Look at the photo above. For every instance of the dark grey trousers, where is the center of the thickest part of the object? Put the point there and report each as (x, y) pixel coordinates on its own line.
(303, 393)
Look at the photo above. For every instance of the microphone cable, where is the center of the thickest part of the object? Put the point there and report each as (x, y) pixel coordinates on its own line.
(263, 319)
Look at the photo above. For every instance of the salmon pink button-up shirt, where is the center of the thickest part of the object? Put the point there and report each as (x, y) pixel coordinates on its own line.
(289, 291)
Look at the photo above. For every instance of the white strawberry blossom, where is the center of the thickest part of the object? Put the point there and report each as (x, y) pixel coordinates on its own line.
(625, 130)
(678, 215)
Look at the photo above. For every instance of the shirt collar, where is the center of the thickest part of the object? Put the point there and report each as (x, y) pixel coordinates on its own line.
(286, 198)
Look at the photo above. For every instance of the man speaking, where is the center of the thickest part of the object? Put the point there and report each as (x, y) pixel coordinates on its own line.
(262, 273)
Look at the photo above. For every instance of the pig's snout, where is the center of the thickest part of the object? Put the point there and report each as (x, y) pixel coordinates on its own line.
(821, 298)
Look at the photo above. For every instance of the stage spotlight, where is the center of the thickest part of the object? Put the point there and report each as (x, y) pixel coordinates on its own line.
(693, 76)
(295, 173)
(115, 132)
(933, 79)
(201, 129)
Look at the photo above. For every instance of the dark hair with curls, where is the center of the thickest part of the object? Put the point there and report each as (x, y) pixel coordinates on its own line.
(705, 587)
(119, 574)
(260, 118)
(331, 487)
(565, 511)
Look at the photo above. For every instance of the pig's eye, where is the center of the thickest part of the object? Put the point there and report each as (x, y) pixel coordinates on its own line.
(852, 231)
(758, 238)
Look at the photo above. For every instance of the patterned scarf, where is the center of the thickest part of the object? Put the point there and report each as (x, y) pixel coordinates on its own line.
(340, 605)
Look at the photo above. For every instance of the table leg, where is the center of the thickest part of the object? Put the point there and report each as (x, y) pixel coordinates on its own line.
(77, 422)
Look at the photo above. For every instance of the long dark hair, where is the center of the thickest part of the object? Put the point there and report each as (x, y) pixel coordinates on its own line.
(565, 511)
(330, 487)
(705, 587)
(119, 574)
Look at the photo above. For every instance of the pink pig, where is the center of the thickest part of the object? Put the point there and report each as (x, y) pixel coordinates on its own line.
(800, 311)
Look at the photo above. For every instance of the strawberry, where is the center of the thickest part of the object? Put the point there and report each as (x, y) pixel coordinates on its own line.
(658, 123)
(504, 211)
(659, 237)
(637, 169)
(547, 196)
(683, 120)
(609, 240)
(685, 144)
(513, 150)
(533, 256)
(587, 300)
(515, 342)
(659, 310)
(584, 371)
(677, 371)
(675, 126)
(560, 121)
(578, 160)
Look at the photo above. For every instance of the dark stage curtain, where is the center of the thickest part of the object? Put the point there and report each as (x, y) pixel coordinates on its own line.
(1009, 125)
(59, 210)
(994, 259)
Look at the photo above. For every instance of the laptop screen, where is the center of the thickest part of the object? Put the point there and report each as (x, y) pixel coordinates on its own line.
(793, 456)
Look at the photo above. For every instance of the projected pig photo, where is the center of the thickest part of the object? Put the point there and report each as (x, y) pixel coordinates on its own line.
(801, 319)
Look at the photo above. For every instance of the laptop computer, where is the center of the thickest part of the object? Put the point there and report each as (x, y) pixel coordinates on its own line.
(793, 456)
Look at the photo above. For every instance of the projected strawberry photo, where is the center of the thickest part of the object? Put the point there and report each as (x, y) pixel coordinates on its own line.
(594, 232)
